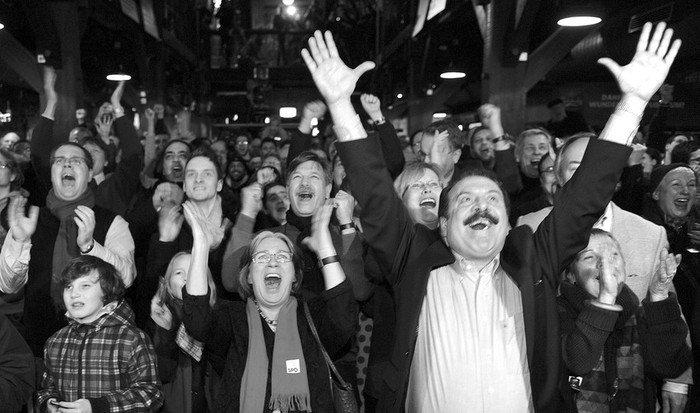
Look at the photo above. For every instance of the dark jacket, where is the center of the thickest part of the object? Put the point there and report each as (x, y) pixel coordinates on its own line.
(409, 252)
(16, 368)
(224, 331)
(591, 333)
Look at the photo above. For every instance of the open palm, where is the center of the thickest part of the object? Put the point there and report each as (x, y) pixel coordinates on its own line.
(333, 78)
(643, 76)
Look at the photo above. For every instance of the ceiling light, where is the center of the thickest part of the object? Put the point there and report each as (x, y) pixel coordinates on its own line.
(439, 115)
(2, 26)
(290, 10)
(579, 21)
(287, 2)
(578, 16)
(288, 112)
(399, 95)
(452, 74)
(118, 77)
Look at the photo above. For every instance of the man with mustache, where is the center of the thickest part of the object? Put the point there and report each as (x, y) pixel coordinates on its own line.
(476, 319)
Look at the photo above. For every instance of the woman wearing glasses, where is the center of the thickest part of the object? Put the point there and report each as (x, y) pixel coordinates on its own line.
(263, 347)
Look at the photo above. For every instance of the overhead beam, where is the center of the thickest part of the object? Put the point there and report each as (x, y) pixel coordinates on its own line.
(20, 60)
(551, 52)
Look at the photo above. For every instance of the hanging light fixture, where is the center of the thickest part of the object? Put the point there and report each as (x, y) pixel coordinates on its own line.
(578, 16)
(452, 72)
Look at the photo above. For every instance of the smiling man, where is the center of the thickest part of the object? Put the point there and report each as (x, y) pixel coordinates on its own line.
(476, 322)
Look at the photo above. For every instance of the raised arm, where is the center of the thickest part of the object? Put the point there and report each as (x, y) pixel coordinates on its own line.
(584, 197)
(388, 139)
(384, 218)
(301, 137)
(639, 80)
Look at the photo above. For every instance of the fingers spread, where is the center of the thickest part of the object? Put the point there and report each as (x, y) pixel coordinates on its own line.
(332, 49)
(644, 38)
(656, 38)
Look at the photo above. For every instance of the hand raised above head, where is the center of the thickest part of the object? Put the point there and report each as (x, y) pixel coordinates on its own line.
(116, 97)
(333, 78)
(643, 76)
(370, 103)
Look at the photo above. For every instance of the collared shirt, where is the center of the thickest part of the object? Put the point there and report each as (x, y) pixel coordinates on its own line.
(470, 352)
(605, 222)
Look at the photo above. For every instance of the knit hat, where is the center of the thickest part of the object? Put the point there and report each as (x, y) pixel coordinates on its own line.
(657, 175)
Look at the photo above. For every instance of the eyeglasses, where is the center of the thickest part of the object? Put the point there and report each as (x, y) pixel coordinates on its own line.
(72, 161)
(420, 185)
(264, 257)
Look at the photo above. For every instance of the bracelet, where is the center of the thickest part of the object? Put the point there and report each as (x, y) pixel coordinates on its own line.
(92, 245)
(347, 226)
(329, 260)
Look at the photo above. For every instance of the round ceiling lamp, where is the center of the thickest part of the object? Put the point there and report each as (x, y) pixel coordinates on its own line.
(579, 16)
(118, 77)
(452, 74)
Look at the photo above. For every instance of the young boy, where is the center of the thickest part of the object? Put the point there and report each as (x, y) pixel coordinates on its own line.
(100, 361)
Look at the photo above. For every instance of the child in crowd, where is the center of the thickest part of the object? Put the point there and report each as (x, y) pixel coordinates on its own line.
(181, 366)
(612, 347)
(100, 361)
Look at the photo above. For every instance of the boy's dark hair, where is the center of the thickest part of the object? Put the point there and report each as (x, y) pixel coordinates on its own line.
(655, 155)
(268, 139)
(207, 152)
(112, 285)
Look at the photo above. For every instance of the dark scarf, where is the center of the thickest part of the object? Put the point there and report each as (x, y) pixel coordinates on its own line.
(621, 371)
(303, 224)
(66, 246)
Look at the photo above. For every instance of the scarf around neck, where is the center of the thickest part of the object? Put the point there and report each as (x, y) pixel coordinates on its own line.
(66, 246)
(290, 384)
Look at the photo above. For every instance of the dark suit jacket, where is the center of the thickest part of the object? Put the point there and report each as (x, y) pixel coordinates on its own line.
(534, 261)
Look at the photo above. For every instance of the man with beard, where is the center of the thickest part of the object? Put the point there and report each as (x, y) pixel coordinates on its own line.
(453, 285)
(143, 216)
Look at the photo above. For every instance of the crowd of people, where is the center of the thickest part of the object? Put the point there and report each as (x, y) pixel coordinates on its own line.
(550, 270)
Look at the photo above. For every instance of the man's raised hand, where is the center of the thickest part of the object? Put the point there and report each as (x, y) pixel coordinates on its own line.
(333, 78)
(643, 76)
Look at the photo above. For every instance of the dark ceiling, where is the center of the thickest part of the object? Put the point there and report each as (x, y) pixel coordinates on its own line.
(258, 57)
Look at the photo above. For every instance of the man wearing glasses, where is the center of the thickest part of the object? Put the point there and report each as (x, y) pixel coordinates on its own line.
(40, 244)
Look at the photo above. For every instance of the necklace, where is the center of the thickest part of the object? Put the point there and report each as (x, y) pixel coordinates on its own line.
(269, 321)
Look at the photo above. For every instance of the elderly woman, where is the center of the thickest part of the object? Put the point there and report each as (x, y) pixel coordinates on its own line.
(673, 191)
(609, 343)
(264, 348)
